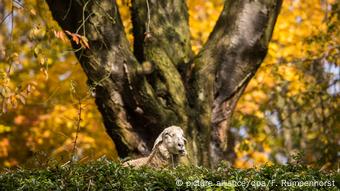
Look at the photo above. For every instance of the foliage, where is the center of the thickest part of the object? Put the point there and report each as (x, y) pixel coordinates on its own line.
(291, 104)
(105, 175)
(43, 123)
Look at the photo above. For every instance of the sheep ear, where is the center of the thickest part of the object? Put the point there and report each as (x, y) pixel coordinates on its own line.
(158, 141)
(185, 140)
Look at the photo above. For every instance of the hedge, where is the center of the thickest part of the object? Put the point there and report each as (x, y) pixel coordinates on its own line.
(107, 175)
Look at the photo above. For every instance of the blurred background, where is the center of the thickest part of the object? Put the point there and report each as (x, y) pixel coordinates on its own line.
(290, 109)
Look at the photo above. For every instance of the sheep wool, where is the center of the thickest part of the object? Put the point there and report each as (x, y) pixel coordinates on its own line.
(167, 150)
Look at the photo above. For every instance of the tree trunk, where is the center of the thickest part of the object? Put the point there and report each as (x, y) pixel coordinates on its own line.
(162, 83)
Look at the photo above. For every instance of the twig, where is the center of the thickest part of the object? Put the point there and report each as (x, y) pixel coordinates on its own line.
(11, 36)
(18, 3)
(68, 10)
(89, 185)
(149, 17)
(3, 20)
(79, 119)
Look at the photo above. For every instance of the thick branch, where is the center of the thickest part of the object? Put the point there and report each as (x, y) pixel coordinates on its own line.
(168, 23)
(162, 38)
(111, 69)
(230, 58)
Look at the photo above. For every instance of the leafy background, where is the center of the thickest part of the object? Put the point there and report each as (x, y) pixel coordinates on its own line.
(289, 108)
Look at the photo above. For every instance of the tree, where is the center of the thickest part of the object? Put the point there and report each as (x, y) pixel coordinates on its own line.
(161, 82)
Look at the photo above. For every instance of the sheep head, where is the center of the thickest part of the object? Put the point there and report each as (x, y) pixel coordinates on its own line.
(172, 138)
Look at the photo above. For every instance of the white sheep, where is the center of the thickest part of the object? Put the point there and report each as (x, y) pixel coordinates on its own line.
(167, 149)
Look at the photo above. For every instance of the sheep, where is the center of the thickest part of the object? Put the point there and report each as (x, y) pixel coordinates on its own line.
(167, 150)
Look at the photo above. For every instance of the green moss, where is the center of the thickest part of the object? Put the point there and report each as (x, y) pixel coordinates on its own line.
(106, 175)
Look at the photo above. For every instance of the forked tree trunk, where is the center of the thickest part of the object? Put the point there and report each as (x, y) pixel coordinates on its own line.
(197, 92)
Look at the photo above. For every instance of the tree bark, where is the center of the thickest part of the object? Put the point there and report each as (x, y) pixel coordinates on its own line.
(162, 83)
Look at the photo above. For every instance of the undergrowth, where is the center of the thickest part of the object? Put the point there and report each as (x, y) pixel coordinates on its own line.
(106, 175)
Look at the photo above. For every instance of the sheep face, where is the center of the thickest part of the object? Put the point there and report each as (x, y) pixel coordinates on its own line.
(173, 139)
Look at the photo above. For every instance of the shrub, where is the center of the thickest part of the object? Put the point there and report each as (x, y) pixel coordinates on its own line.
(105, 175)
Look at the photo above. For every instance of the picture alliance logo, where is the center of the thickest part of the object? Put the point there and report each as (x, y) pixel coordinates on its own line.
(233, 183)
(254, 184)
